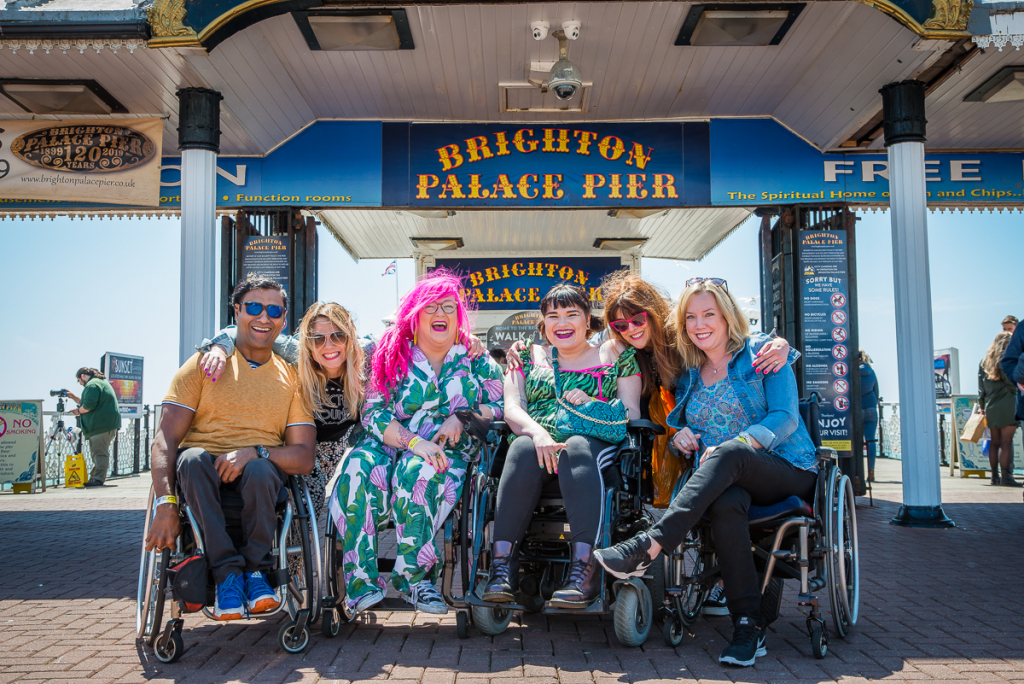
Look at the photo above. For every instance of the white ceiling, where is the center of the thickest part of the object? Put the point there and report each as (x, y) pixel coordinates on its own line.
(674, 234)
(822, 81)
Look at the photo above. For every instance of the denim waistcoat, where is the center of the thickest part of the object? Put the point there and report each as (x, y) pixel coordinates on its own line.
(770, 402)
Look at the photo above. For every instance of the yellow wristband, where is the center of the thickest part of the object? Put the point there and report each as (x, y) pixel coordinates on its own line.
(413, 442)
(743, 438)
(166, 499)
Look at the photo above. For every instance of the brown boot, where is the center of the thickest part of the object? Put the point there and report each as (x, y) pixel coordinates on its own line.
(584, 583)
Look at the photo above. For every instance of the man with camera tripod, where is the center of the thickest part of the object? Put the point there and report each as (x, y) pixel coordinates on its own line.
(100, 419)
(241, 435)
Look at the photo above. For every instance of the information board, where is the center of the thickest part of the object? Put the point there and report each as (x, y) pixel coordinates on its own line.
(124, 373)
(827, 355)
(21, 439)
(970, 454)
(266, 257)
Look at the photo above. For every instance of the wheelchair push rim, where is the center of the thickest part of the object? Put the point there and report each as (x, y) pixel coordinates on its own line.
(149, 606)
(844, 575)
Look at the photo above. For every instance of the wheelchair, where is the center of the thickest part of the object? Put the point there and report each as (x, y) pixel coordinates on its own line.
(544, 554)
(296, 574)
(456, 544)
(815, 544)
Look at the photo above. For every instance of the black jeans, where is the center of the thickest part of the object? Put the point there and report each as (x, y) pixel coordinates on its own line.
(579, 479)
(258, 485)
(734, 477)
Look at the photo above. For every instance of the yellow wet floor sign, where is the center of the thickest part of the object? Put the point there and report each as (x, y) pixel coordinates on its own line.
(75, 472)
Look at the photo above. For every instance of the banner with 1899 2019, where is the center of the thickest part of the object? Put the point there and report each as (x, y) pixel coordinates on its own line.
(110, 161)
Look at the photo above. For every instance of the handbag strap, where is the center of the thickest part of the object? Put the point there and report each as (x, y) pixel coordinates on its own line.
(558, 374)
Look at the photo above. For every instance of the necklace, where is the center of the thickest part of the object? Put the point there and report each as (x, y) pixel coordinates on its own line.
(713, 368)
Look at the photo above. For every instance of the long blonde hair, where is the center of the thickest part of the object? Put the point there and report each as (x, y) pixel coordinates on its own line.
(990, 364)
(625, 295)
(735, 321)
(312, 376)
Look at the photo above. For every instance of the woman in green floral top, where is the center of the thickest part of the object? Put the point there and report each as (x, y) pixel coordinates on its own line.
(412, 463)
(539, 454)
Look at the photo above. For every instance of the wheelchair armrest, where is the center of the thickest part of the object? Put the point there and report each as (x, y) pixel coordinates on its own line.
(826, 454)
(641, 424)
(499, 426)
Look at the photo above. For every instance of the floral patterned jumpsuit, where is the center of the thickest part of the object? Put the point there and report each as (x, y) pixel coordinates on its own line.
(378, 482)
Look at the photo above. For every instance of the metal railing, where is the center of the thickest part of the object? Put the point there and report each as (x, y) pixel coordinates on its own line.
(889, 444)
(129, 452)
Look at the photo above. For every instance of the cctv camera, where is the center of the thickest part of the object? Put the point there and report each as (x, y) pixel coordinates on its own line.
(564, 79)
(540, 30)
(572, 29)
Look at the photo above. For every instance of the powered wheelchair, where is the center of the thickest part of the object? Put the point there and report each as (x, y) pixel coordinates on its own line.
(296, 573)
(544, 554)
(814, 543)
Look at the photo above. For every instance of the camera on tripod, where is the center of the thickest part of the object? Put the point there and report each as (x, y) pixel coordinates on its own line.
(59, 393)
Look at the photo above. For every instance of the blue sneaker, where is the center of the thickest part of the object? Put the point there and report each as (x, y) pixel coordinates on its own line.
(230, 602)
(261, 596)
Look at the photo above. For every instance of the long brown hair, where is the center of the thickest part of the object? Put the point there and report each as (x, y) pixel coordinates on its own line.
(312, 377)
(690, 353)
(990, 364)
(625, 295)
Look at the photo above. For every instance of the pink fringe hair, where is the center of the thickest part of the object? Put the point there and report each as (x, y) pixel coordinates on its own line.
(394, 351)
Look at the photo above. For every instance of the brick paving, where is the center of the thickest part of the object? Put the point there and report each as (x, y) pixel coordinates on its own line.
(937, 605)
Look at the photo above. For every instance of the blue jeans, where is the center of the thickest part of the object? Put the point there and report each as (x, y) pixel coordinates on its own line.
(871, 435)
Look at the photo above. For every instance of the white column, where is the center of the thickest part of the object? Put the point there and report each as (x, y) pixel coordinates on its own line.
(903, 106)
(198, 249)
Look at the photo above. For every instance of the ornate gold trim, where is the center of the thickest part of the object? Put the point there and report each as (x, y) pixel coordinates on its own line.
(223, 19)
(930, 29)
(950, 14)
(166, 23)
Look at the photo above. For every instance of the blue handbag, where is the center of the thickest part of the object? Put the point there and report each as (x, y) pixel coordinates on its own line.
(598, 419)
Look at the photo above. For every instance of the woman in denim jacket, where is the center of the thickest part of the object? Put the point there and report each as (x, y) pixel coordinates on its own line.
(756, 451)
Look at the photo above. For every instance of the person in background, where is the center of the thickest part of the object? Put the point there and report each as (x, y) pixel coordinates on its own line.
(1014, 369)
(1010, 324)
(869, 410)
(996, 397)
(100, 419)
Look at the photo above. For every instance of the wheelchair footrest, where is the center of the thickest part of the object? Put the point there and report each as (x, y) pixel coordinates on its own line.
(474, 600)
(597, 607)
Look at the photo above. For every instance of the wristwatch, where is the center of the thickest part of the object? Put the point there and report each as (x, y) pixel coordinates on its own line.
(262, 452)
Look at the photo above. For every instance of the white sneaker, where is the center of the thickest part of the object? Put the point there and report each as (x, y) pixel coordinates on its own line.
(365, 602)
(714, 604)
(426, 598)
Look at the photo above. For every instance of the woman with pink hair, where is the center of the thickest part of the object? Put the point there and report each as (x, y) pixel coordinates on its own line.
(412, 462)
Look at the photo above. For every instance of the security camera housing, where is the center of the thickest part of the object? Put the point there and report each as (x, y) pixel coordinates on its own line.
(540, 29)
(564, 78)
(571, 29)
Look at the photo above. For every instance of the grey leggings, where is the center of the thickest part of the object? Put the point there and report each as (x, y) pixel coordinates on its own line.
(579, 478)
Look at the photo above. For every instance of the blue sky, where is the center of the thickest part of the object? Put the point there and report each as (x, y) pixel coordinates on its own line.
(78, 288)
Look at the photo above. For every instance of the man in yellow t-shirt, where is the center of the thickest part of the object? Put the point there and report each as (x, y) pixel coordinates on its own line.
(237, 437)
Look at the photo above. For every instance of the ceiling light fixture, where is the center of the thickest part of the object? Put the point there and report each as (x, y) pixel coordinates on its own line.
(1007, 85)
(41, 96)
(438, 244)
(618, 244)
(355, 30)
(721, 25)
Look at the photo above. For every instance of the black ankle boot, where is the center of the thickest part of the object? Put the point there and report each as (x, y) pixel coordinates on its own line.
(503, 581)
(584, 583)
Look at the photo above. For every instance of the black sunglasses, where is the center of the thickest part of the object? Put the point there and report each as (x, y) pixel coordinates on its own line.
(256, 308)
(717, 282)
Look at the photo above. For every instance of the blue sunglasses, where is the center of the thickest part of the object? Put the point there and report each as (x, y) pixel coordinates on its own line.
(255, 309)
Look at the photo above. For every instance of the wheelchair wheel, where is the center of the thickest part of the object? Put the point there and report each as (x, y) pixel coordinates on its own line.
(303, 553)
(819, 639)
(149, 613)
(844, 568)
(672, 631)
(290, 641)
(170, 647)
(633, 615)
(685, 567)
(491, 621)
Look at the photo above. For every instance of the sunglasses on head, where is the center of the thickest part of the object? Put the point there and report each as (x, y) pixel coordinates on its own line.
(623, 324)
(337, 339)
(717, 282)
(256, 308)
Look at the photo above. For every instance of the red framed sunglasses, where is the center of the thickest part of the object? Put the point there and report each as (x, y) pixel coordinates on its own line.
(624, 324)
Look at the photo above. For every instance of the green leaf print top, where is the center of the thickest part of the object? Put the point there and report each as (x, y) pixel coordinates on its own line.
(599, 382)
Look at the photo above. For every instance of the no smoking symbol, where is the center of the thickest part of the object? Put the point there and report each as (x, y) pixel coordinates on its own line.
(838, 317)
(839, 334)
(839, 368)
(838, 299)
(839, 351)
(3, 427)
(841, 386)
(841, 403)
